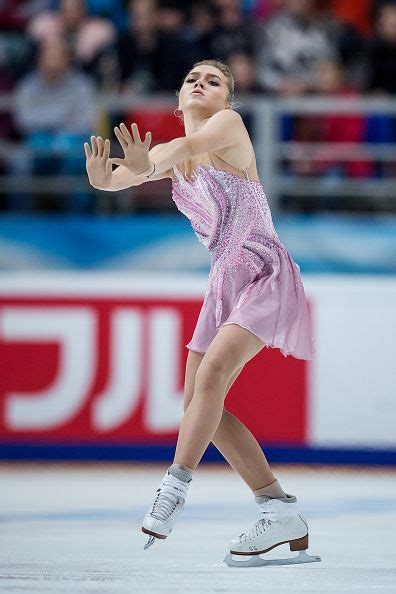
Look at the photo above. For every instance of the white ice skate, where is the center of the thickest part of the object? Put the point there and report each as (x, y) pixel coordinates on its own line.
(165, 510)
(281, 523)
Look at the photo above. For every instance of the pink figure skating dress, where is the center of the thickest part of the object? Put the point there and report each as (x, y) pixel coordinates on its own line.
(253, 281)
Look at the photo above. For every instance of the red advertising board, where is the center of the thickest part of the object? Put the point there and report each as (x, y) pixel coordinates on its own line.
(110, 369)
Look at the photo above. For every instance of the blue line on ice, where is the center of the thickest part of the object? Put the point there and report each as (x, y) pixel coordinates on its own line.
(313, 509)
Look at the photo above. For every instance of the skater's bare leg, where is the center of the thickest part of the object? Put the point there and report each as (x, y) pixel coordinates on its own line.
(232, 347)
(242, 451)
(232, 438)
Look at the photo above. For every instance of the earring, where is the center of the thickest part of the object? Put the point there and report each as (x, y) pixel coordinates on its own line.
(176, 114)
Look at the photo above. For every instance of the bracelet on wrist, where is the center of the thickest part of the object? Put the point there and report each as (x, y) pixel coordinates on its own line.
(151, 172)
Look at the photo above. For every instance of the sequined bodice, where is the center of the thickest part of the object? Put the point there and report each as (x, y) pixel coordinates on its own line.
(231, 217)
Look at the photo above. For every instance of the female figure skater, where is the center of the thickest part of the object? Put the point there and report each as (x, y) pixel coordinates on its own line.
(254, 297)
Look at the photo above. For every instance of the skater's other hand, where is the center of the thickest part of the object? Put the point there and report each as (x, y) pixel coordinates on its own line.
(136, 150)
(98, 163)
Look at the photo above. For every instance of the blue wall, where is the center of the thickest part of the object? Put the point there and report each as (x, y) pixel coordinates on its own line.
(318, 243)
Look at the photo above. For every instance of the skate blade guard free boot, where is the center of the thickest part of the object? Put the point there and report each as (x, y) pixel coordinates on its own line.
(280, 523)
(165, 510)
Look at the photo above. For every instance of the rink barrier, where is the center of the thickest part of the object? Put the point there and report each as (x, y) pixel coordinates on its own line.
(29, 452)
(126, 401)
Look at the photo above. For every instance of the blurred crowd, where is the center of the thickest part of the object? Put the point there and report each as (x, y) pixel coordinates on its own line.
(58, 56)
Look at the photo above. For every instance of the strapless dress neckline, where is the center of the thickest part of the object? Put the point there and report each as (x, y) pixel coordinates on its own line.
(194, 176)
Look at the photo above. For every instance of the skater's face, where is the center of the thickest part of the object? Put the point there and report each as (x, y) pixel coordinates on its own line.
(204, 89)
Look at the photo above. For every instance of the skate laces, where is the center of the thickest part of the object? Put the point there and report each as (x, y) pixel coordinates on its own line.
(257, 528)
(166, 501)
(273, 510)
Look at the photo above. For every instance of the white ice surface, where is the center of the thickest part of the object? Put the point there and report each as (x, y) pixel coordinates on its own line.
(77, 529)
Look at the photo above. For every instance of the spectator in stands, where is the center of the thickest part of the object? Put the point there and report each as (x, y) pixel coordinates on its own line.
(89, 37)
(15, 52)
(136, 47)
(289, 46)
(381, 80)
(54, 112)
(243, 69)
(15, 48)
(331, 128)
(156, 50)
(343, 29)
(234, 31)
(381, 53)
(175, 51)
(202, 28)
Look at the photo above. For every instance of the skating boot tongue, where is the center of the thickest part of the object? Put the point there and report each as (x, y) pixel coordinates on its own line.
(171, 491)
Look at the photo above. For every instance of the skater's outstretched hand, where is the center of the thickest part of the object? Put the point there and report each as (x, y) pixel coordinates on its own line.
(98, 163)
(136, 151)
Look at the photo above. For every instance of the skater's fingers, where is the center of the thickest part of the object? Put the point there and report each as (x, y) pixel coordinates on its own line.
(126, 134)
(100, 146)
(94, 146)
(108, 167)
(135, 132)
(147, 139)
(106, 152)
(87, 149)
(121, 138)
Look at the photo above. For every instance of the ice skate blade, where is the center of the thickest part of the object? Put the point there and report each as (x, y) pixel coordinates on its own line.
(150, 542)
(257, 561)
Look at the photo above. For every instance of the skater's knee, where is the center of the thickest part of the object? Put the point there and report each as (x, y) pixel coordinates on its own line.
(212, 374)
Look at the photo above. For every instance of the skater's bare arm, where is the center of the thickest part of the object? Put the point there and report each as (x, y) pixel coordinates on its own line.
(223, 129)
(99, 168)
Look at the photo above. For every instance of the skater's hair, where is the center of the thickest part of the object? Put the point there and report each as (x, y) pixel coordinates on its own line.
(226, 72)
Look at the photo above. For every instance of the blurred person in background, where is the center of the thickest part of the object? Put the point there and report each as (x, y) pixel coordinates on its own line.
(15, 59)
(202, 27)
(332, 128)
(244, 71)
(381, 53)
(289, 46)
(136, 47)
(54, 111)
(381, 79)
(243, 68)
(16, 49)
(90, 38)
(347, 39)
(234, 30)
(175, 49)
(156, 48)
(15, 55)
